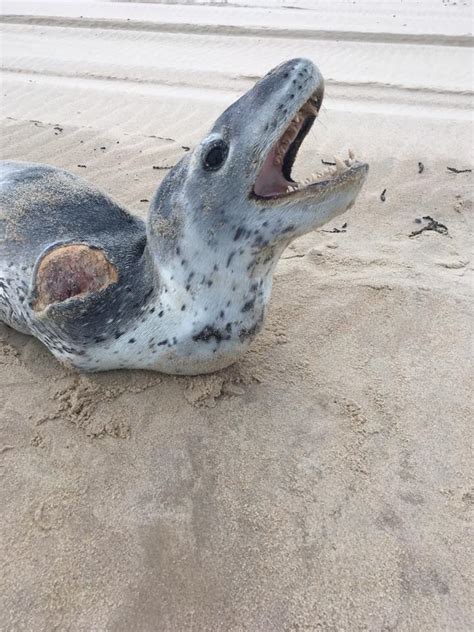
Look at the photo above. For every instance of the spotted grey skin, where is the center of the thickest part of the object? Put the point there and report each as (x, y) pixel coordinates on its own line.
(42, 208)
(192, 286)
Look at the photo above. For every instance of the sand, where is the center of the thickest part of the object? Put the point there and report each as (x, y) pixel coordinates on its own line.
(323, 482)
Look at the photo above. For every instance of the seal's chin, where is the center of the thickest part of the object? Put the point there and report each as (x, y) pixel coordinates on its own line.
(274, 180)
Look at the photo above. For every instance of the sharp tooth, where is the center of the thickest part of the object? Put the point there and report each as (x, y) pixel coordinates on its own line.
(340, 166)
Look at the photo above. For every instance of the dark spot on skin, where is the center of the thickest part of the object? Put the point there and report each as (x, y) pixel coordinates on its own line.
(238, 233)
(131, 341)
(152, 310)
(229, 258)
(188, 287)
(178, 251)
(163, 342)
(248, 305)
(228, 327)
(161, 314)
(209, 283)
(207, 333)
(216, 267)
(221, 314)
(118, 334)
(246, 333)
(183, 307)
(191, 274)
(183, 262)
(288, 228)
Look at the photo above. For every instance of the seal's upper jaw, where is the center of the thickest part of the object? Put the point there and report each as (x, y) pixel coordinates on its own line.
(274, 176)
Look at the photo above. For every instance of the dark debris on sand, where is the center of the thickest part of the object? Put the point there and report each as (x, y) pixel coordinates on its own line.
(431, 225)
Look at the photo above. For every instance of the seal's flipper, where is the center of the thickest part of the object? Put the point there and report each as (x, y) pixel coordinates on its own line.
(71, 270)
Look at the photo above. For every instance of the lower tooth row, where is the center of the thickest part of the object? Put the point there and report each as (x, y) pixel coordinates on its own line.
(341, 166)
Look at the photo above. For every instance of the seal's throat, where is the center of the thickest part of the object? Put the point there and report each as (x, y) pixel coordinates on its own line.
(274, 180)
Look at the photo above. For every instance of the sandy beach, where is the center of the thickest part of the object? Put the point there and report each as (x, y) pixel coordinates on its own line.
(325, 481)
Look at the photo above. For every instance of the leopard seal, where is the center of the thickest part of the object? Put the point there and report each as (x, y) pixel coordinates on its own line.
(186, 291)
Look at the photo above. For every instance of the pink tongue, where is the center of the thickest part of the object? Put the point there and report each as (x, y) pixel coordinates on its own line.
(270, 180)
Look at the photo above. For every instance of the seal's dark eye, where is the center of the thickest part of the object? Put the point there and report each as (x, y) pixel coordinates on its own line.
(215, 156)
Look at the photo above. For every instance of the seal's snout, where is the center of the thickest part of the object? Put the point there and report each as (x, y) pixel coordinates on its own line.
(300, 76)
(298, 94)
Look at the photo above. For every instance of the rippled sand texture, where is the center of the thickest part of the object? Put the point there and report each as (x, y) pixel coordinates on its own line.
(323, 483)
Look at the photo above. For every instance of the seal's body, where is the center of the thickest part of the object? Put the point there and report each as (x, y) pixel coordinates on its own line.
(187, 292)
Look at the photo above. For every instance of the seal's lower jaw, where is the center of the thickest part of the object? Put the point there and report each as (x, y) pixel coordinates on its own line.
(274, 182)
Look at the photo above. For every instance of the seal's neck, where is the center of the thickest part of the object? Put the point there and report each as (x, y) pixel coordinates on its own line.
(218, 278)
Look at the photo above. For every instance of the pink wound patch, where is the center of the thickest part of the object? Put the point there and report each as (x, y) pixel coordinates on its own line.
(72, 271)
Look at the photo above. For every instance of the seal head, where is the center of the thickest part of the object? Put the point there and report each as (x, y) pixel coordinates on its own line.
(239, 178)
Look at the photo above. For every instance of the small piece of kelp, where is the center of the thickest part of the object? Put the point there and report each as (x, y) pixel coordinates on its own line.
(328, 163)
(337, 230)
(421, 167)
(382, 195)
(432, 225)
(454, 170)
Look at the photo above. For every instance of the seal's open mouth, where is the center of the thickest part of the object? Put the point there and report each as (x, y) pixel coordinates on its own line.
(274, 179)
